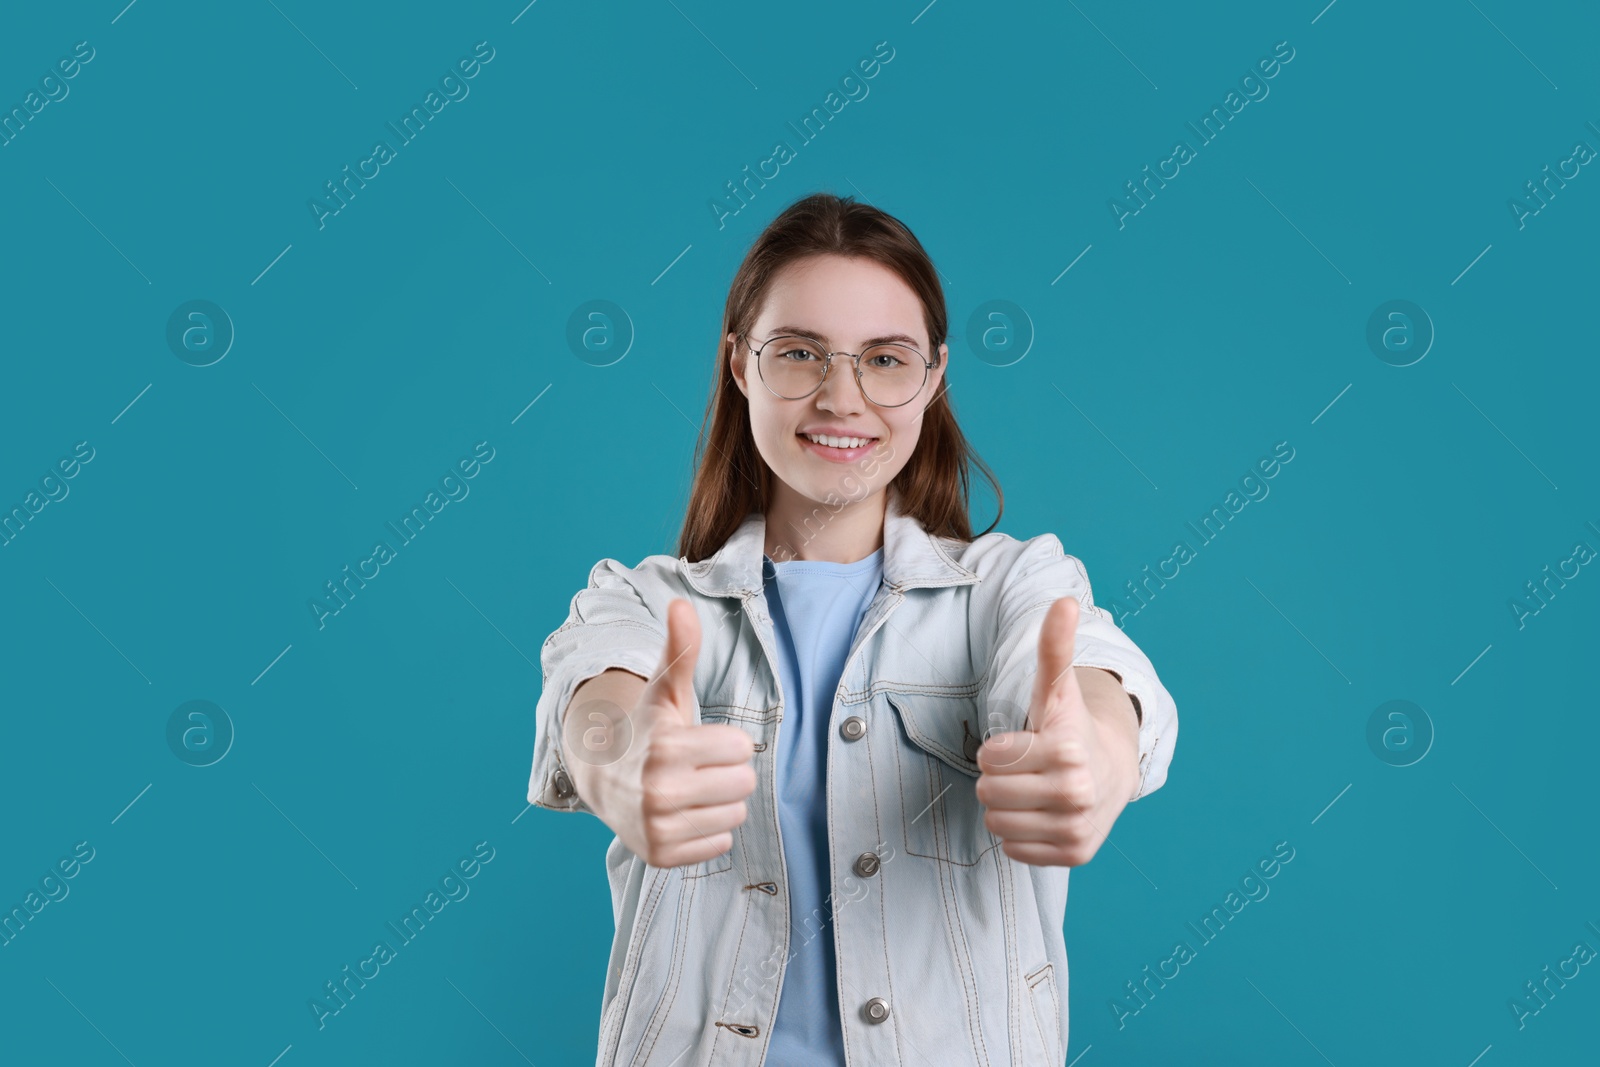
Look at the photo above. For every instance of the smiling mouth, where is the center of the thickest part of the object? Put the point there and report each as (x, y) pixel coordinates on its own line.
(843, 444)
(858, 448)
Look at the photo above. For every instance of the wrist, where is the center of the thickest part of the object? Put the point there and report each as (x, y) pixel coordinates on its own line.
(1116, 725)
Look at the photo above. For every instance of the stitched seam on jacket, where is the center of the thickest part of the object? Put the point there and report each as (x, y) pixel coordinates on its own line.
(715, 870)
(970, 689)
(680, 945)
(963, 954)
(744, 925)
(758, 714)
(883, 931)
(932, 812)
(1008, 915)
(927, 744)
(1053, 1037)
(1013, 949)
(751, 688)
(938, 820)
(915, 796)
(630, 967)
(1033, 981)
(1038, 1023)
(1155, 746)
(939, 547)
(1055, 999)
(962, 951)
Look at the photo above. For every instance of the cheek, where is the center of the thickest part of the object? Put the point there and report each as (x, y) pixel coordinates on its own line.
(896, 451)
(772, 433)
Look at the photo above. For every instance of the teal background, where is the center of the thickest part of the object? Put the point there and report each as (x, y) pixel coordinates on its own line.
(430, 313)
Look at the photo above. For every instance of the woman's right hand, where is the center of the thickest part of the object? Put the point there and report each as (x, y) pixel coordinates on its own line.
(678, 789)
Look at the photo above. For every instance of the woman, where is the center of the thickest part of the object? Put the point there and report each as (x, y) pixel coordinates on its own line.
(849, 751)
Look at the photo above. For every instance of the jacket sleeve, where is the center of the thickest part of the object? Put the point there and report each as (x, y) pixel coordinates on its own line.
(618, 621)
(1041, 574)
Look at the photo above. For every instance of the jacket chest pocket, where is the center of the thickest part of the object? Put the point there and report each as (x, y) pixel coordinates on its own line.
(938, 776)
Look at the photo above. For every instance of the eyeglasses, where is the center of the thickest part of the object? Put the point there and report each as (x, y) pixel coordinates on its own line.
(794, 367)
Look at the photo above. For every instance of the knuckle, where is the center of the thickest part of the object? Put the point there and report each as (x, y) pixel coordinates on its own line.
(658, 801)
(1078, 789)
(654, 849)
(659, 755)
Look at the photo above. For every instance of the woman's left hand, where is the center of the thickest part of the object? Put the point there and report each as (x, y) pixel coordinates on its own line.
(1053, 790)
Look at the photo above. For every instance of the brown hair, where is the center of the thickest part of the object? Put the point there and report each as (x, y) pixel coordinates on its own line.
(731, 479)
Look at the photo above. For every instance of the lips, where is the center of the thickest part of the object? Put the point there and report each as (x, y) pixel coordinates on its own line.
(836, 433)
(836, 455)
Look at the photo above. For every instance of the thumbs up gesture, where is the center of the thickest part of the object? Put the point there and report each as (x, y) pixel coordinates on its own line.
(1054, 788)
(678, 791)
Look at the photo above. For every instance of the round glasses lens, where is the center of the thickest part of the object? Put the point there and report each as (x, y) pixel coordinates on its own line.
(892, 374)
(793, 367)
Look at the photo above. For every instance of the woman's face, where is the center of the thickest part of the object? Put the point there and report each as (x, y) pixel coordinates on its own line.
(846, 303)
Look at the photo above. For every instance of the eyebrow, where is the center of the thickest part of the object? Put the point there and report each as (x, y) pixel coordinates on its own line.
(888, 338)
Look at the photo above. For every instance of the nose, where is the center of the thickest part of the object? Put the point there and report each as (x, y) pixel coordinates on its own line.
(841, 392)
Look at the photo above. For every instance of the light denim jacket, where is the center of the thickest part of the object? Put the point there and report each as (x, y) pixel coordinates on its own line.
(949, 951)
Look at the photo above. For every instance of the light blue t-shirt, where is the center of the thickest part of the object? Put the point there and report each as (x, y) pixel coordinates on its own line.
(816, 607)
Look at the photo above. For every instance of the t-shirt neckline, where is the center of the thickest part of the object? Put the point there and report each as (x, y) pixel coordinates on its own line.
(818, 566)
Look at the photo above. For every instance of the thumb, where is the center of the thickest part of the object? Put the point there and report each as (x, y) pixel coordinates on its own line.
(672, 686)
(1056, 683)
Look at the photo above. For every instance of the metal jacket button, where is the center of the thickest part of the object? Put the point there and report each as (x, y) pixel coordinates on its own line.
(867, 864)
(877, 1010)
(563, 785)
(852, 728)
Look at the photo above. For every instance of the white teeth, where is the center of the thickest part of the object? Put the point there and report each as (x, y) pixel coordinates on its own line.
(838, 442)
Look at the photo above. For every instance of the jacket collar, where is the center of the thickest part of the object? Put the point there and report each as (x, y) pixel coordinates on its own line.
(912, 557)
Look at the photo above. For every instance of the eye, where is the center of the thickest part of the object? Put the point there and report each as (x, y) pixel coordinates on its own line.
(796, 350)
(886, 357)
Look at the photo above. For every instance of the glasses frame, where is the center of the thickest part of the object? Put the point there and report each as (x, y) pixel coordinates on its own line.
(827, 367)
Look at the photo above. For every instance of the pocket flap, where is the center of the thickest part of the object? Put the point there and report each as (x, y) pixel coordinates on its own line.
(946, 726)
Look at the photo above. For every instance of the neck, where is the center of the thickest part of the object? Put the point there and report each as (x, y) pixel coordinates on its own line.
(798, 527)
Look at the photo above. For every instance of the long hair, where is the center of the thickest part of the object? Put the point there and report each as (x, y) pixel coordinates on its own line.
(731, 479)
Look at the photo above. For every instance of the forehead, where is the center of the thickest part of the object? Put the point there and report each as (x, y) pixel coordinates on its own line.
(843, 301)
